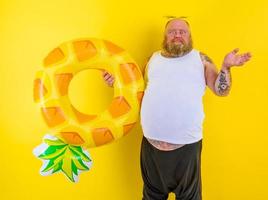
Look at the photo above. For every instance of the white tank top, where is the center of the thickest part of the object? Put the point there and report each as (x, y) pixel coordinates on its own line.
(172, 107)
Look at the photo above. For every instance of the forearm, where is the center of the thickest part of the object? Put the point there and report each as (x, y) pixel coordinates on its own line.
(220, 83)
(223, 82)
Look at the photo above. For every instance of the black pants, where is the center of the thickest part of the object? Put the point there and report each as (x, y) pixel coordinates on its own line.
(175, 171)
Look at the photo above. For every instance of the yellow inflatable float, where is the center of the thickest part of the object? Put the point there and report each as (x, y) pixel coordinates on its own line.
(71, 131)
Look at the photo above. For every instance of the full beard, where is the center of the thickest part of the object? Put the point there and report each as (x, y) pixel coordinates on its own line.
(176, 50)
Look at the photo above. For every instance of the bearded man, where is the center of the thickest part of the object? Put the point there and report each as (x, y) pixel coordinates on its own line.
(172, 112)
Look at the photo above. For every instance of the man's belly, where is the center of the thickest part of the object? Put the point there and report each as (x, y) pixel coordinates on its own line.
(171, 118)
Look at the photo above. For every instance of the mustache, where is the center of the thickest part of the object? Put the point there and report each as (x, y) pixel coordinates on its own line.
(178, 39)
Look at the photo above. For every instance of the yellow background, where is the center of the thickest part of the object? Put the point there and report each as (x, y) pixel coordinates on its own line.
(235, 155)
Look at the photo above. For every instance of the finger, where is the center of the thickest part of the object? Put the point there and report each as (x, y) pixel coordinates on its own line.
(107, 76)
(110, 83)
(111, 79)
(104, 72)
(246, 57)
(235, 50)
(243, 61)
(240, 63)
(249, 55)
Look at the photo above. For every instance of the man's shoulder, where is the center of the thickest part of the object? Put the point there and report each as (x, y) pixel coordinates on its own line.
(156, 53)
(205, 58)
(153, 55)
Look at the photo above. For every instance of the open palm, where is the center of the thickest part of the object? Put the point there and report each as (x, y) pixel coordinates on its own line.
(234, 59)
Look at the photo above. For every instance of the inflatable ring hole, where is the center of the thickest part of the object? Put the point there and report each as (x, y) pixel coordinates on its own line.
(89, 93)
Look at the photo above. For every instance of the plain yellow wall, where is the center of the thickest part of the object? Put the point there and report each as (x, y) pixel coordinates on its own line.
(235, 156)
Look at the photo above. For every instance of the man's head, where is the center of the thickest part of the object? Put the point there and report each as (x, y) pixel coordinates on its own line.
(177, 40)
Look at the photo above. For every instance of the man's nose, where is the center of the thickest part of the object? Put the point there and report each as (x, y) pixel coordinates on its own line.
(177, 33)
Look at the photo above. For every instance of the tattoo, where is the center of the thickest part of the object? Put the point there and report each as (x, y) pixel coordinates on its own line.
(206, 58)
(164, 146)
(223, 86)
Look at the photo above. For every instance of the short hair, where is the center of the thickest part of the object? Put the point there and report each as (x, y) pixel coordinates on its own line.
(171, 18)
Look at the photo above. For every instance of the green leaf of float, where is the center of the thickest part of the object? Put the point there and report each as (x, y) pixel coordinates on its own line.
(54, 142)
(74, 168)
(80, 165)
(77, 150)
(49, 166)
(53, 154)
(57, 167)
(51, 150)
(53, 163)
(67, 165)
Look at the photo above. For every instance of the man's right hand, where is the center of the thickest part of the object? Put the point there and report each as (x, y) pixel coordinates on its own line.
(108, 78)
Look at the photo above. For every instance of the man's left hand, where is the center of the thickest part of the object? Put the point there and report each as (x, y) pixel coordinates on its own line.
(234, 59)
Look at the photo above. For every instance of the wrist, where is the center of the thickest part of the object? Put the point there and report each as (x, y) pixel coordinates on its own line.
(225, 68)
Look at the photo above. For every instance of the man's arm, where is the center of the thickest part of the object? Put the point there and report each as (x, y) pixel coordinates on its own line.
(220, 83)
(145, 74)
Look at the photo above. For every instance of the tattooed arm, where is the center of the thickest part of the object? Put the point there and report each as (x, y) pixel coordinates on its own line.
(223, 82)
(220, 83)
